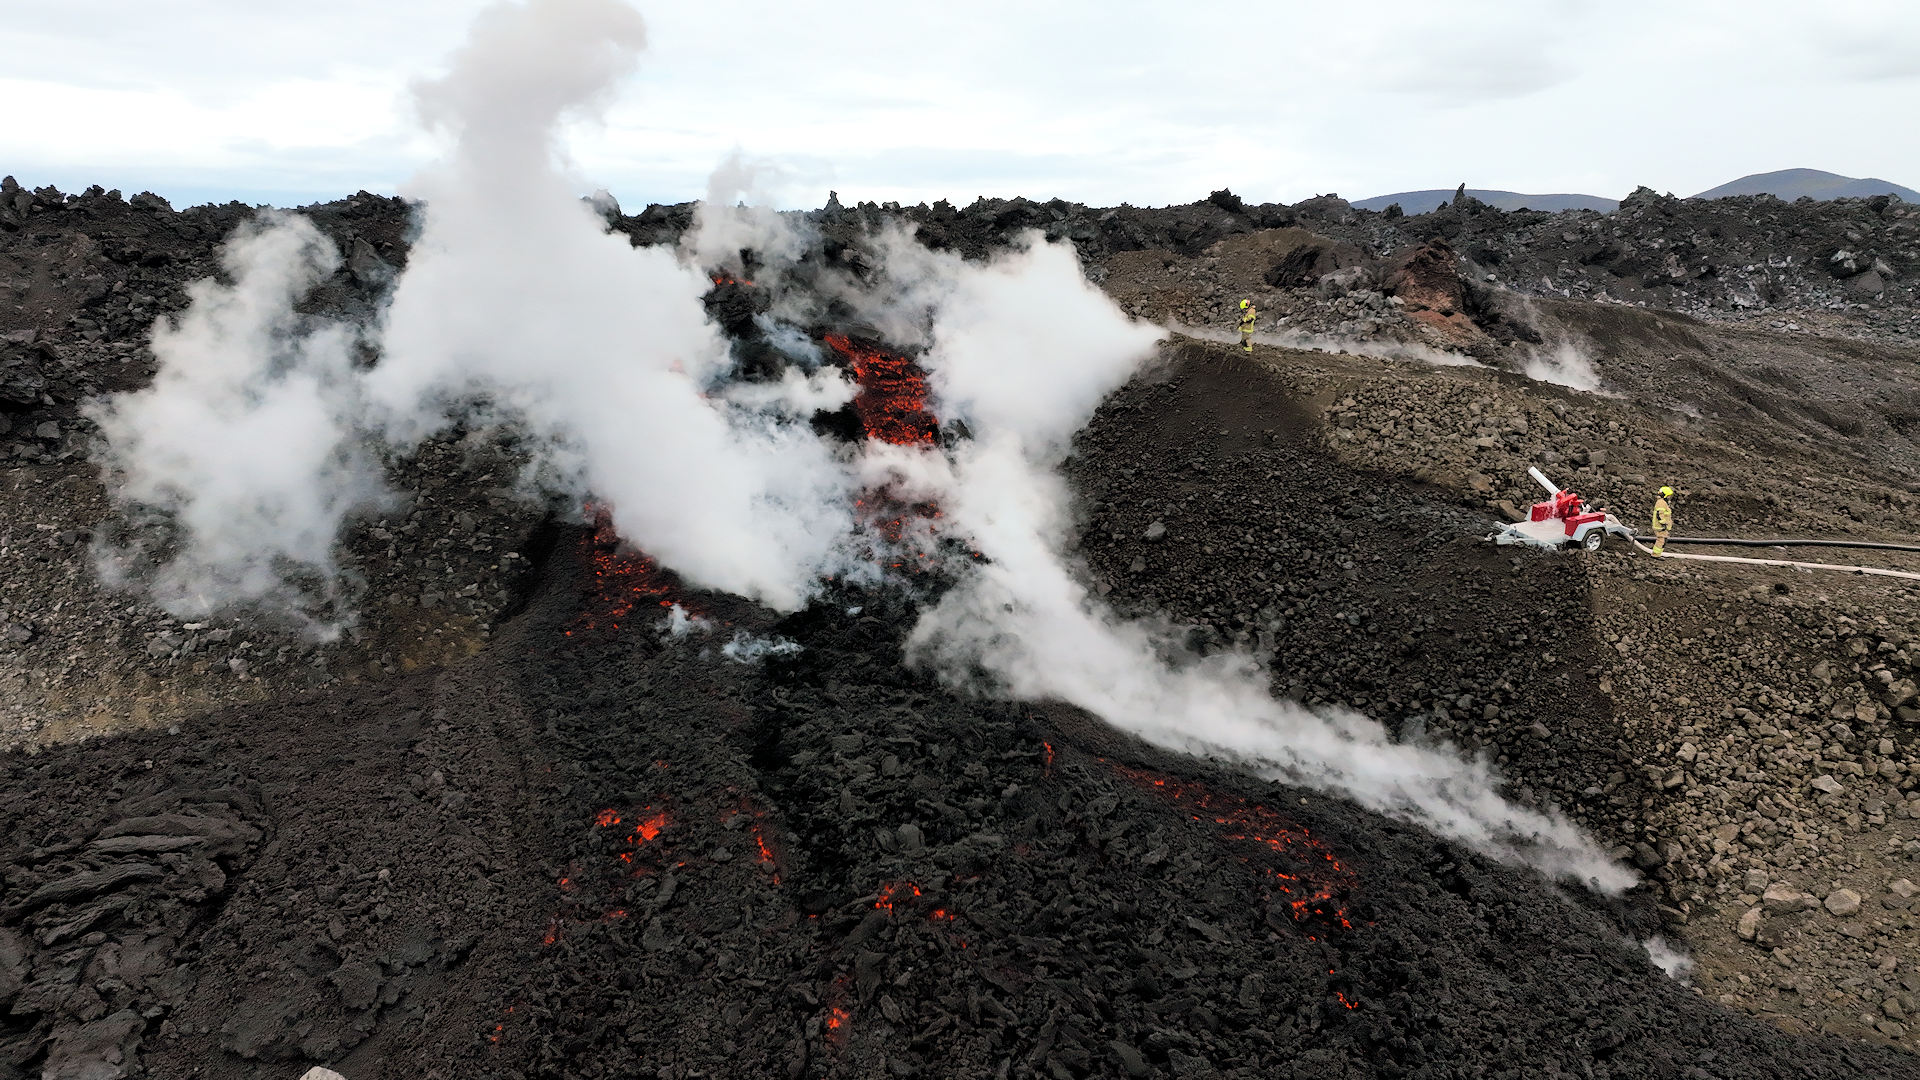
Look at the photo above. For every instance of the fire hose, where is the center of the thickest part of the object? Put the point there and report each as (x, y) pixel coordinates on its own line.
(1873, 570)
(1782, 543)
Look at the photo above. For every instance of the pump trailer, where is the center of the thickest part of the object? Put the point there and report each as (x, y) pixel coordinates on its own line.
(1563, 518)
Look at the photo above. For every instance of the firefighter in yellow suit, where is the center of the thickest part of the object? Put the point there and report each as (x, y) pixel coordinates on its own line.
(1662, 521)
(1246, 324)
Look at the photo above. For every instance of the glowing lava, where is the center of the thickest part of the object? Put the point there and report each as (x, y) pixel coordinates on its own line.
(590, 894)
(766, 853)
(892, 401)
(762, 851)
(1315, 883)
(624, 579)
(892, 406)
(500, 1028)
(644, 830)
(906, 890)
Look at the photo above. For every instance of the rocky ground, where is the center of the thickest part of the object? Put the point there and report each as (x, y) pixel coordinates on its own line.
(596, 852)
(387, 852)
(1843, 266)
(89, 274)
(1730, 729)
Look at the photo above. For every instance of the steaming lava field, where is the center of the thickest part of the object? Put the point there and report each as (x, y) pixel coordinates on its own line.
(508, 826)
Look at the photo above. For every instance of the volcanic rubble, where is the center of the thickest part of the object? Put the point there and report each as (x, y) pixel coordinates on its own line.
(507, 826)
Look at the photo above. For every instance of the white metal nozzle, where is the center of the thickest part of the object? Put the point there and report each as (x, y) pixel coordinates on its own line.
(1542, 477)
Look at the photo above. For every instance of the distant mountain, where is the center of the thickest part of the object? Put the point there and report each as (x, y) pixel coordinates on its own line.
(1423, 202)
(1787, 184)
(1791, 184)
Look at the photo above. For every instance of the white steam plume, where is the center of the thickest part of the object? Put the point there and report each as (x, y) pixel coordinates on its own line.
(1565, 365)
(1375, 348)
(725, 221)
(515, 293)
(514, 289)
(239, 443)
(1024, 350)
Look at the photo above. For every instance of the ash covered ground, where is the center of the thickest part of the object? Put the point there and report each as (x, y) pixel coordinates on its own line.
(508, 826)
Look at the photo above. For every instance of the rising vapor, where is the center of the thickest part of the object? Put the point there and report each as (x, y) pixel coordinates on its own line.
(241, 460)
(1025, 350)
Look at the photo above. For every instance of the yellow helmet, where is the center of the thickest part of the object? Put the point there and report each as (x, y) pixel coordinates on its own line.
(1666, 493)
(1246, 303)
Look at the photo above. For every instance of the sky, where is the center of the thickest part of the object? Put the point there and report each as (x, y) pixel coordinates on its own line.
(1146, 103)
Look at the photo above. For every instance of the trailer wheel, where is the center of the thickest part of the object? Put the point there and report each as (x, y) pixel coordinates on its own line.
(1594, 538)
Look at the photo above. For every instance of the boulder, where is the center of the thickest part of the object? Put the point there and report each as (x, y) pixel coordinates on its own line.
(1867, 285)
(1781, 899)
(1427, 278)
(366, 265)
(1900, 692)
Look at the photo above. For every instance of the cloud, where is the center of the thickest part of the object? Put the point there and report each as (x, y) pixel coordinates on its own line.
(1454, 62)
(1152, 105)
(1868, 41)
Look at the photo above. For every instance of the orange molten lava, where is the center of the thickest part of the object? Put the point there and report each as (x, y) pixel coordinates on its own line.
(892, 406)
(892, 889)
(892, 402)
(500, 1028)
(1312, 889)
(624, 579)
(763, 851)
(649, 828)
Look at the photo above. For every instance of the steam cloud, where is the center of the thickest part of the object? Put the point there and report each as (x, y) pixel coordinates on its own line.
(1565, 365)
(1375, 348)
(516, 296)
(239, 443)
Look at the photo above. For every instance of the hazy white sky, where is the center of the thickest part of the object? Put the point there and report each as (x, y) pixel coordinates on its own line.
(1149, 103)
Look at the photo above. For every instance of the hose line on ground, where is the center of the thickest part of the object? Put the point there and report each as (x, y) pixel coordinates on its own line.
(1781, 543)
(1860, 570)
